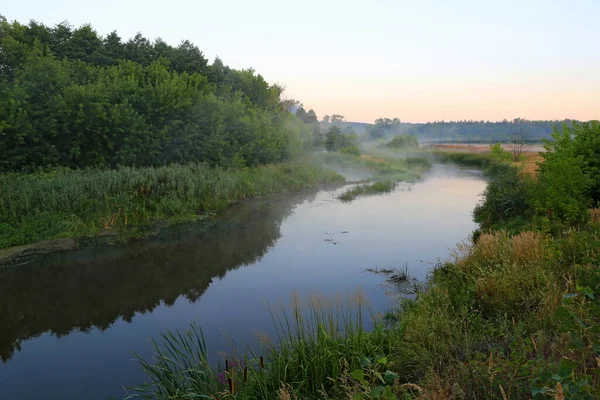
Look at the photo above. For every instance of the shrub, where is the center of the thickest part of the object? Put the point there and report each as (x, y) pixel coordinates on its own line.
(569, 177)
(403, 142)
(505, 198)
(352, 150)
(497, 153)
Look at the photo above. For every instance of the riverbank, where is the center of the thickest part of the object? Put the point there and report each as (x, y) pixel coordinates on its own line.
(83, 203)
(528, 164)
(61, 209)
(514, 314)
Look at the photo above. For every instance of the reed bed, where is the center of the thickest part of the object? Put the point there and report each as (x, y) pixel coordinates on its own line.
(369, 189)
(317, 341)
(68, 202)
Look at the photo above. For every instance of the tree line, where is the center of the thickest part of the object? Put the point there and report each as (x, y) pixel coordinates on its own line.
(451, 131)
(71, 97)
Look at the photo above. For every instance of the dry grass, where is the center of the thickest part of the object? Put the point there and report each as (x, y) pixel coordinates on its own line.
(528, 248)
(594, 214)
(528, 166)
(510, 273)
(498, 247)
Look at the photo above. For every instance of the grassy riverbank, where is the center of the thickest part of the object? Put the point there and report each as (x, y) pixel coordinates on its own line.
(70, 203)
(382, 171)
(515, 313)
(64, 202)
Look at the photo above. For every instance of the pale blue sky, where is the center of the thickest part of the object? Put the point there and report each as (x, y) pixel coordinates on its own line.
(415, 60)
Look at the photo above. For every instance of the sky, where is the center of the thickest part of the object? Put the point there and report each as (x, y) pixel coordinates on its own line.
(417, 60)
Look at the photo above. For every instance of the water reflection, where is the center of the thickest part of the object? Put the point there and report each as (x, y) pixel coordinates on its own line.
(94, 288)
(77, 318)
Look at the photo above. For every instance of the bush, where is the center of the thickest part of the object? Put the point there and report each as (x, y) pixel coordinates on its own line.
(403, 142)
(335, 140)
(352, 150)
(497, 153)
(506, 198)
(568, 180)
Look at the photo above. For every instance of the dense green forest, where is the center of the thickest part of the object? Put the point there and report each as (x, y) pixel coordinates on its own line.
(71, 97)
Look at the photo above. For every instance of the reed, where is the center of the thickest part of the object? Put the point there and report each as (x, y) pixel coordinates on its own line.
(68, 202)
(369, 189)
(316, 341)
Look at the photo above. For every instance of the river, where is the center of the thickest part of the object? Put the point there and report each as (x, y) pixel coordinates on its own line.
(70, 323)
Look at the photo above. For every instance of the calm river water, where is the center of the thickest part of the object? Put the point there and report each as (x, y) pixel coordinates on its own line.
(71, 323)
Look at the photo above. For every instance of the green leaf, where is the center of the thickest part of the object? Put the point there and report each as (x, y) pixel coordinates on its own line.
(390, 376)
(538, 392)
(364, 361)
(566, 366)
(376, 392)
(378, 375)
(562, 313)
(359, 396)
(358, 374)
(382, 361)
(586, 291)
(570, 295)
(580, 322)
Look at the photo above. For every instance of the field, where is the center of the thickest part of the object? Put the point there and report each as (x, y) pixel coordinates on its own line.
(528, 165)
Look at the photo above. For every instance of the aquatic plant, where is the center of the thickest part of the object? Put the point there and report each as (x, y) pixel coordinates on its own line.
(367, 189)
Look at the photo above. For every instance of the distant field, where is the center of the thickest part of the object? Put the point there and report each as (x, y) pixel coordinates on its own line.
(529, 165)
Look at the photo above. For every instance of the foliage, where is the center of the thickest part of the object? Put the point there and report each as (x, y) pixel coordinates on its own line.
(472, 131)
(69, 97)
(568, 177)
(402, 142)
(497, 153)
(369, 189)
(505, 198)
(351, 150)
(78, 202)
(514, 315)
(336, 140)
(383, 128)
(316, 344)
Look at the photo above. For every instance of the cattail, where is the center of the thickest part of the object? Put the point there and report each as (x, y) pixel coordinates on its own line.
(262, 362)
(226, 365)
(245, 374)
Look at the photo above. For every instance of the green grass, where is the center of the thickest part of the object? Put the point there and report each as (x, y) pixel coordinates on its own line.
(67, 203)
(385, 171)
(510, 316)
(514, 315)
(367, 189)
(318, 342)
(379, 167)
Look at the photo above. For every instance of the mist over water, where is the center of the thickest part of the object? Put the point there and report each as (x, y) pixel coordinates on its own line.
(72, 322)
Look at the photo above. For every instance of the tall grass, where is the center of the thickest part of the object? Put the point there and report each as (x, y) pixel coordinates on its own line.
(367, 189)
(77, 202)
(379, 167)
(515, 315)
(316, 343)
